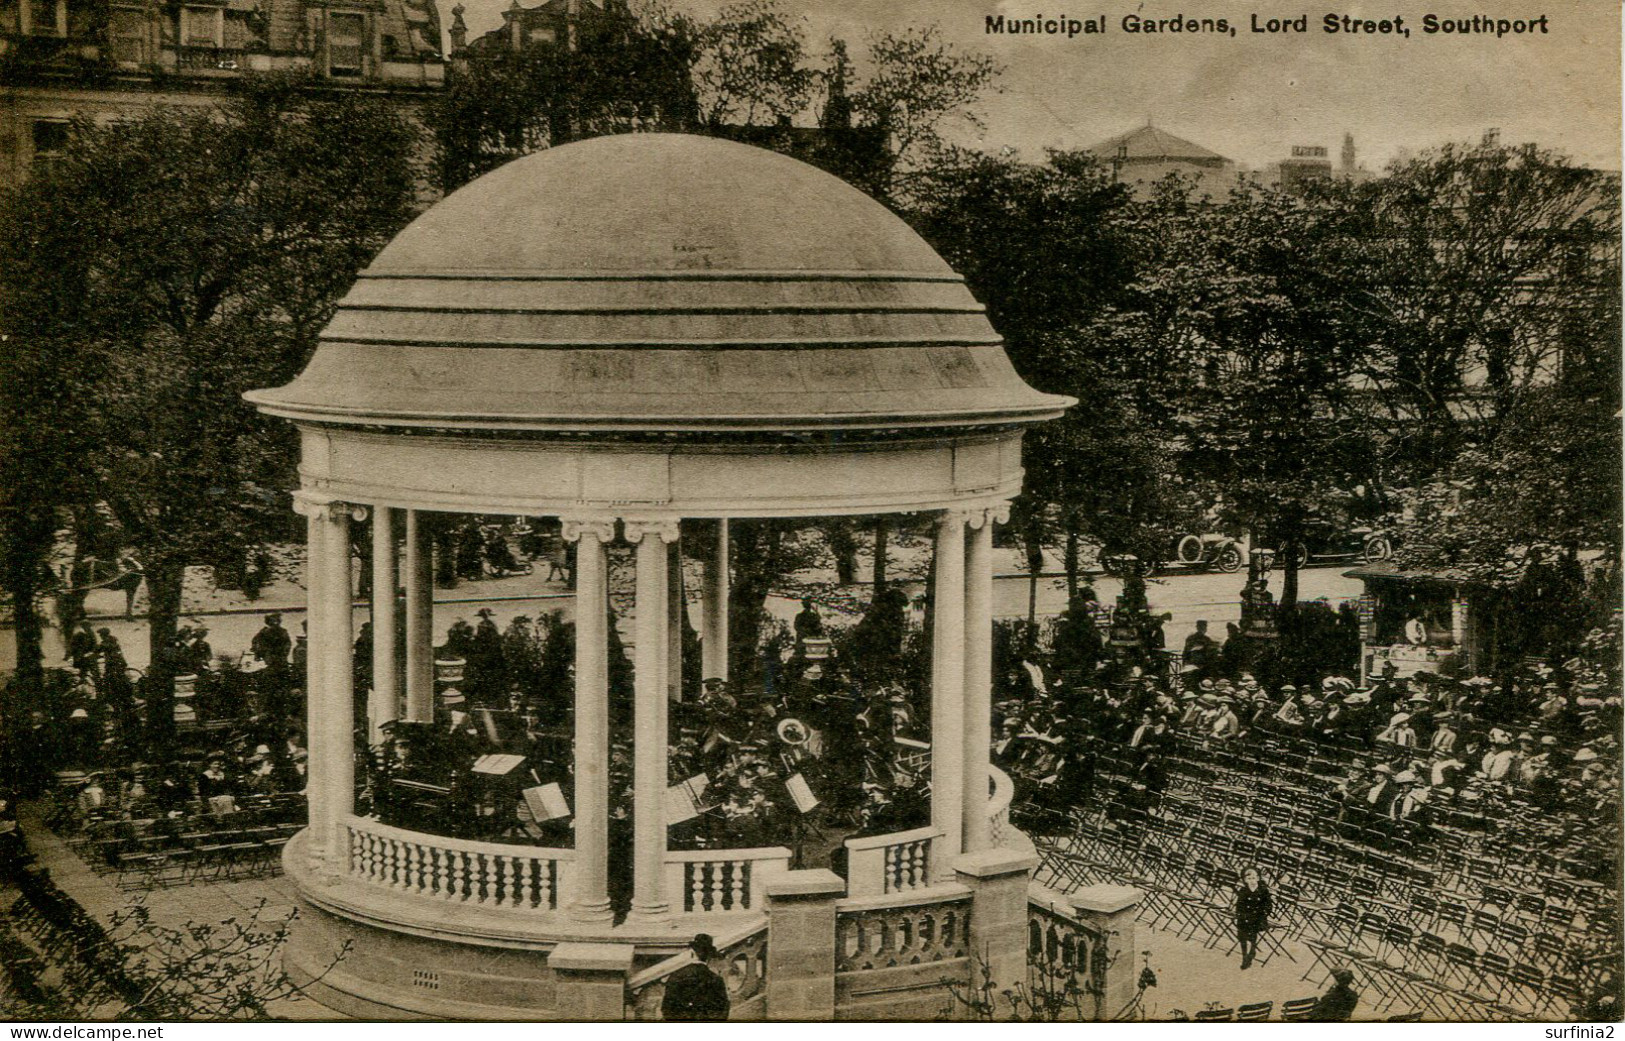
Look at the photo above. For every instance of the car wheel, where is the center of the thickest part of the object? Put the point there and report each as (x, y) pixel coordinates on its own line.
(1189, 550)
(1228, 560)
(1299, 555)
(1378, 549)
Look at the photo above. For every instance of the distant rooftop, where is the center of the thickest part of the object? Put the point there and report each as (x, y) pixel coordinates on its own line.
(1150, 144)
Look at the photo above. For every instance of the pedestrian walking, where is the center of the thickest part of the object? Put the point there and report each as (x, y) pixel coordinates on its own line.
(695, 993)
(1253, 906)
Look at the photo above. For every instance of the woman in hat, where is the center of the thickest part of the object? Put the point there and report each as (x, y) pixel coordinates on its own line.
(1253, 907)
(1399, 732)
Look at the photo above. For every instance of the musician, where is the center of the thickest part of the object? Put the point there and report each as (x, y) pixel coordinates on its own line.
(82, 648)
(808, 624)
(271, 644)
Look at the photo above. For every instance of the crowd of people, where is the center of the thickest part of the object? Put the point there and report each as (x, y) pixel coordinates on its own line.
(1418, 743)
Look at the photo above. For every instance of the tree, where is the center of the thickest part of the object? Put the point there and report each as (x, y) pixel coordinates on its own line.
(916, 85)
(1051, 248)
(499, 104)
(1474, 277)
(204, 251)
(750, 65)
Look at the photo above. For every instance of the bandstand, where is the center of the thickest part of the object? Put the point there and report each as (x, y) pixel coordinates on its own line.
(642, 335)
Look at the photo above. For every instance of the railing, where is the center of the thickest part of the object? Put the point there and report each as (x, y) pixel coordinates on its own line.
(714, 880)
(998, 807)
(210, 58)
(895, 863)
(743, 969)
(522, 879)
(916, 934)
(1065, 956)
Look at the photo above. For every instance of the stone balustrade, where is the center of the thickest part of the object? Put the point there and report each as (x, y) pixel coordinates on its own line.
(878, 865)
(1082, 944)
(515, 879)
(919, 932)
(713, 880)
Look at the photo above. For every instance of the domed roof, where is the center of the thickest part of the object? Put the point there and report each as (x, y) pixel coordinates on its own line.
(659, 283)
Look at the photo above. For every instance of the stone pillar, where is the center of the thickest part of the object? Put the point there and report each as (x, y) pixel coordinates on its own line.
(1109, 912)
(419, 618)
(319, 639)
(997, 879)
(591, 980)
(948, 692)
(653, 539)
(330, 773)
(714, 638)
(801, 945)
(590, 899)
(978, 744)
(384, 703)
(676, 609)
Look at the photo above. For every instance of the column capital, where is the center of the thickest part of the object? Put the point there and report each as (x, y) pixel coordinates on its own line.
(600, 528)
(310, 504)
(637, 527)
(982, 516)
(323, 507)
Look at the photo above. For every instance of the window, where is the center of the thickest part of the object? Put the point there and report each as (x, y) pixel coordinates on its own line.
(50, 142)
(46, 17)
(201, 26)
(127, 35)
(345, 38)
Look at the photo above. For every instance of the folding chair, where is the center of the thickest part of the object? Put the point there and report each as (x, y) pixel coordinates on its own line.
(1215, 1015)
(1427, 953)
(1526, 978)
(1455, 916)
(1298, 1010)
(1257, 1012)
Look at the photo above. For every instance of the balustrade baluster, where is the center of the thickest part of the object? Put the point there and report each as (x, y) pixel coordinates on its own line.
(523, 869)
(454, 875)
(411, 867)
(738, 897)
(500, 867)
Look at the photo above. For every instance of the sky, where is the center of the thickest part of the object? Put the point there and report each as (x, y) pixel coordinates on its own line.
(1252, 96)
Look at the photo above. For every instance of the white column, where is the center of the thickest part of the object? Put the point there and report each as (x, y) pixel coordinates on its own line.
(383, 705)
(590, 899)
(330, 770)
(676, 605)
(714, 638)
(948, 692)
(319, 638)
(653, 539)
(419, 619)
(978, 678)
(337, 769)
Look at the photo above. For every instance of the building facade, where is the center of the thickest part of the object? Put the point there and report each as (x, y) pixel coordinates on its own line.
(103, 59)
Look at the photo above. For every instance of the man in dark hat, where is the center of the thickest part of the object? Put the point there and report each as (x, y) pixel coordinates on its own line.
(695, 993)
(1337, 1004)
